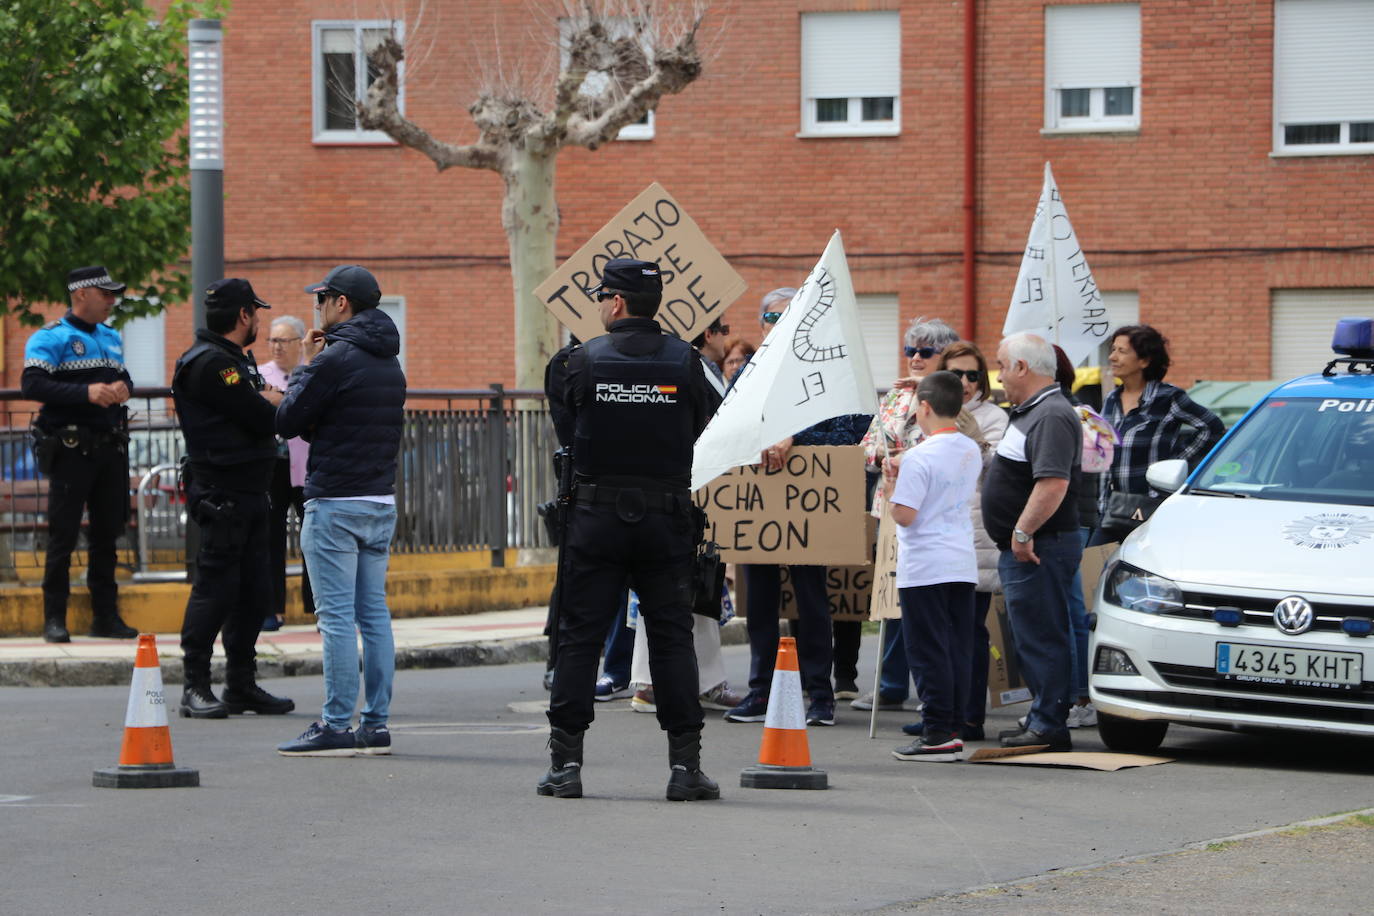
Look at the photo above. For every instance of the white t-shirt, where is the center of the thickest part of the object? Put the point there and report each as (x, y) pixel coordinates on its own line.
(938, 479)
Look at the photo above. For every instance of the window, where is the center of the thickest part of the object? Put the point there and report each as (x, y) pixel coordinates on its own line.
(395, 309)
(342, 74)
(1092, 67)
(597, 80)
(145, 354)
(1302, 321)
(851, 75)
(1323, 77)
(882, 337)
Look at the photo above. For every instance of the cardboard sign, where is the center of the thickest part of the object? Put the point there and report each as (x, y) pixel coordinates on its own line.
(810, 512)
(885, 605)
(1093, 565)
(1005, 684)
(849, 589)
(698, 283)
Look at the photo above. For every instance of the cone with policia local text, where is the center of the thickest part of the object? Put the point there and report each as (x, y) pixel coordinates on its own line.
(145, 759)
(784, 757)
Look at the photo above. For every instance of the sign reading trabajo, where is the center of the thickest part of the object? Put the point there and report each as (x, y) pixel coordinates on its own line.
(809, 512)
(698, 283)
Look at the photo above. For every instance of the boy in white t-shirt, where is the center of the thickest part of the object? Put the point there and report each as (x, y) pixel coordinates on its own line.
(936, 565)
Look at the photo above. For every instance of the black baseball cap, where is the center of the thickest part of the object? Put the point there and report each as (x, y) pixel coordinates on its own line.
(630, 276)
(352, 281)
(232, 293)
(84, 277)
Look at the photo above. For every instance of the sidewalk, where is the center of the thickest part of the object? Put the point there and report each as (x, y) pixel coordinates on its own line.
(488, 638)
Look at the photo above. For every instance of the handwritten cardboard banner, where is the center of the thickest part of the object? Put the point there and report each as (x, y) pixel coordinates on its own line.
(849, 589)
(885, 604)
(698, 283)
(810, 512)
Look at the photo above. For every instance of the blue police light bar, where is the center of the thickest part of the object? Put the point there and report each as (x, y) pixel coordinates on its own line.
(1357, 626)
(1354, 337)
(1228, 616)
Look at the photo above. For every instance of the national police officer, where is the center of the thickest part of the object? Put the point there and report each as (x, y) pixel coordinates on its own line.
(75, 367)
(636, 399)
(227, 417)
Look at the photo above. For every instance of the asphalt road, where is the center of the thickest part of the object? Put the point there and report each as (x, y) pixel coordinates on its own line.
(451, 822)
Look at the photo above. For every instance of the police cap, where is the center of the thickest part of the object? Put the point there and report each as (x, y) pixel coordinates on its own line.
(630, 276)
(232, 294)
(83, 277)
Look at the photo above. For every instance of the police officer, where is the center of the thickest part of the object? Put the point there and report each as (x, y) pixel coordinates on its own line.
(227, 417)
(75, 367)
(636, 399)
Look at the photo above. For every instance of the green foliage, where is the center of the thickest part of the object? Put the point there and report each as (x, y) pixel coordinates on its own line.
(93, 101)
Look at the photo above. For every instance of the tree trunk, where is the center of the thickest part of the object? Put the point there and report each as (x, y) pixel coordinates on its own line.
(530, 217)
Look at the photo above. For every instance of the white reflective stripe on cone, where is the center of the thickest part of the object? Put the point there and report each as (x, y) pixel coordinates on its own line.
(785, 707)
(147, 706)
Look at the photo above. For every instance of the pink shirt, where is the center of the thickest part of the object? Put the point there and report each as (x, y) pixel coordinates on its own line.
(299, 448)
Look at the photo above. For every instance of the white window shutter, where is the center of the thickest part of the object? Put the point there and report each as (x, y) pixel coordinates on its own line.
(1324, 60)
(1302, 322)
(145, 354)
(395, 309)
(879, 323)
(851, 55)
(1092, 46)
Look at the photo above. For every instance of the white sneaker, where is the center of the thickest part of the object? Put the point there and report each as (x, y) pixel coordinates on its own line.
(1084, 716)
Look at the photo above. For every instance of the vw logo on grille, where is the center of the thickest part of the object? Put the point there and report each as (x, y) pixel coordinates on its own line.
(1293, 615)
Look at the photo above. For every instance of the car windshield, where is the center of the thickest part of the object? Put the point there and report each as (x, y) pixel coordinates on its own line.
(1317, 450)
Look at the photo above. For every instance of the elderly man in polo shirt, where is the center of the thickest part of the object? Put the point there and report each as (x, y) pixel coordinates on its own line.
(1030, 511)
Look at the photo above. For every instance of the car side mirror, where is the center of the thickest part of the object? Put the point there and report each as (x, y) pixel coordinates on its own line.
(1167, 476)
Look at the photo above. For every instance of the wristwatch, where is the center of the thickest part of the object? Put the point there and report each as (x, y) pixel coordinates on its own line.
(1020, 536)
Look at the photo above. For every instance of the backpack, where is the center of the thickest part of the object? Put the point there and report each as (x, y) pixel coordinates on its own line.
(1099, 440)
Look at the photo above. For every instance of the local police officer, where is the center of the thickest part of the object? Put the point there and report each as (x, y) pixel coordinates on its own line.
(75, 367)
(636, 399)
(227, 417)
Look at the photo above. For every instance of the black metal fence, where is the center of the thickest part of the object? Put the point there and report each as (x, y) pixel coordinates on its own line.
(474, 465)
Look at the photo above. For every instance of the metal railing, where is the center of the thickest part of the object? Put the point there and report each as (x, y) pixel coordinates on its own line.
(474, 465)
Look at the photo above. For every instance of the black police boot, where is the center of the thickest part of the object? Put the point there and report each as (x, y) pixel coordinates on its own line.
(110, 626)
(198, 701)
(55, 628)
(254, 699)
(687, 782)
(564, 778)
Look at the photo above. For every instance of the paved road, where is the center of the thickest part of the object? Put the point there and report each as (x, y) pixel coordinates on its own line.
(451, 822)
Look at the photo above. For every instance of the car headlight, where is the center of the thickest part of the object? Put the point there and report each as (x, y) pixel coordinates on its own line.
(1137, 590)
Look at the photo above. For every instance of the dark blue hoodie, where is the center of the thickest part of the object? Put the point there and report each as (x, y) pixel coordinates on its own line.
(348, 403)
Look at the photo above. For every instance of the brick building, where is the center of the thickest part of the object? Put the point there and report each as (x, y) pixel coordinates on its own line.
(1216, 160)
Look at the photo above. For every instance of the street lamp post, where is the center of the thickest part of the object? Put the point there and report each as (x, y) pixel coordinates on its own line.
(207, 159)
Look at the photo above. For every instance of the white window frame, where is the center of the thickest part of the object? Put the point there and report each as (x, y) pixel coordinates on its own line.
(1097, 120)
(320, 134)
(644, 131)
(395, 309)
(813, 88)
(1335, 51)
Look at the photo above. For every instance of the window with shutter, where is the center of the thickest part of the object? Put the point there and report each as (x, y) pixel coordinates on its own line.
(882, 337)
(145, 353)
(341, 75)
(1323, 77)
(851, 74)
(1092, 67)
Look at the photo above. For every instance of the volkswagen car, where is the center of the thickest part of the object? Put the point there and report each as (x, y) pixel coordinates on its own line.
(1246, 602)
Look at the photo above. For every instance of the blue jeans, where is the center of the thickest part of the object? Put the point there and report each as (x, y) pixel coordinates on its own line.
(1078, 626)
(620, 645)
(894, 670)
(1037, 598)
(346, 544)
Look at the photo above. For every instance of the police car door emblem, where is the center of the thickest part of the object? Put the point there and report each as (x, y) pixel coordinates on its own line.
(79, 347)
(1293, 615)
(1329, 530)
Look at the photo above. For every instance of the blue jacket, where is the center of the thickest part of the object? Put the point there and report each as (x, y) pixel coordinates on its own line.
(348, 403)
(62, 360)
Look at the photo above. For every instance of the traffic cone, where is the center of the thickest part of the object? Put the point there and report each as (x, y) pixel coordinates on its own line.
(784, 757)
(145, 759)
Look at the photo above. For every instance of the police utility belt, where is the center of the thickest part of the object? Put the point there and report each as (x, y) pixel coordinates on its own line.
(47, 442)
(631, 503)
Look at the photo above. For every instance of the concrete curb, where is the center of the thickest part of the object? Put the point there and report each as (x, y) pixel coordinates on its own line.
(104, 672)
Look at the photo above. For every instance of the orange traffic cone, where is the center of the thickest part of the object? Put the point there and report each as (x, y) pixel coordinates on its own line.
(145, 759)
(784, 757)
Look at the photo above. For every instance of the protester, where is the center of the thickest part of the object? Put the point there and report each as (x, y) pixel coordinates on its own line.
(893, 431)
(936, 565)
(737, 353)
(287, 489)
(350, 397)
(226, 414)
(75, 367)
(710, 343)
(1155, 420)
(1030, 512)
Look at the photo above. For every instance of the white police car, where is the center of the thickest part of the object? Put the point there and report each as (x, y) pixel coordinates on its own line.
(1246, 601)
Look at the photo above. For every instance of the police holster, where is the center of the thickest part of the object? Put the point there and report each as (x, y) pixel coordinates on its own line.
(708, 572)
(45, 447)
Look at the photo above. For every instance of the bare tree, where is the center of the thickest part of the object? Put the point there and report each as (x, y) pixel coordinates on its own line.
(618, 58)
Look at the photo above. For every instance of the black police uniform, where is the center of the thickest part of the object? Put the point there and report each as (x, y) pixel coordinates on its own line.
(231, 445)
(86, 463)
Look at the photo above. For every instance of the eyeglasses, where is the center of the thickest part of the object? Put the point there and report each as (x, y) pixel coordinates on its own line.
(771, 317)
(281, 341)
(322, 298)
(923, 352)
(970, 374)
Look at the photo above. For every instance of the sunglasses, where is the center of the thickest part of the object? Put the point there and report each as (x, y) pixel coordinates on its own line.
(970, 374)
(720, 329)
(923, 352)
(771, 317)
(321, 297)
(602, 295)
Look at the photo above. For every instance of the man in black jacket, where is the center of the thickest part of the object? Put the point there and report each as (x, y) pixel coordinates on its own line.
(226, 415)
(348, 403)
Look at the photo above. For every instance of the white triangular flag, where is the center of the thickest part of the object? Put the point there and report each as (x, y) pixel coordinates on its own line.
(1055, 294)
(811, 367)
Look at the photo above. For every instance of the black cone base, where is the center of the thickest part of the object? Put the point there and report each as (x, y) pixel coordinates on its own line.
(771, 777)
(158, 776)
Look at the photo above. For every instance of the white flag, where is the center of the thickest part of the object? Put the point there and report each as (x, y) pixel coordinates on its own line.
(1055, 295)
(811, 367)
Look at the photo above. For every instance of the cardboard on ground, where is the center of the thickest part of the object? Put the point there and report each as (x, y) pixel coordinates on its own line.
(1083, 760)
(698, 283)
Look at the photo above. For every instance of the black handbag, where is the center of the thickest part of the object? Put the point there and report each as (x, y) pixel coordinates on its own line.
(1126, 512)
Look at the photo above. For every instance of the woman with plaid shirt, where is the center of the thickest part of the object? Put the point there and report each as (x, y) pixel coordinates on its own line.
(1155, 420)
